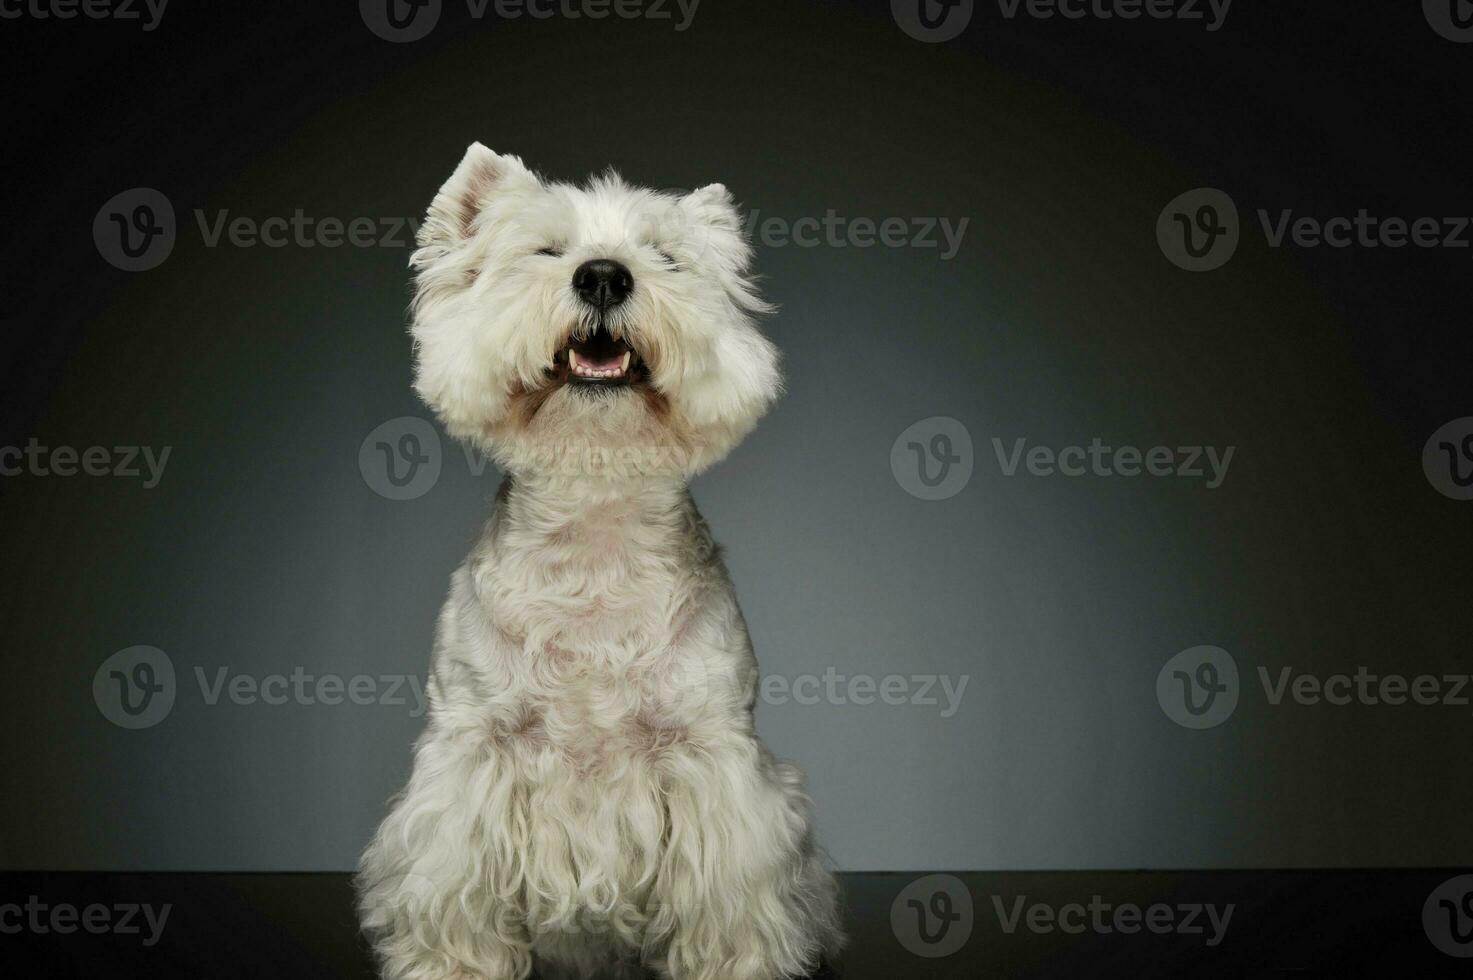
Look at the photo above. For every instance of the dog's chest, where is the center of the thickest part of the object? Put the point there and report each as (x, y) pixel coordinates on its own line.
(595, 575)
(591, 601)
(598, 718)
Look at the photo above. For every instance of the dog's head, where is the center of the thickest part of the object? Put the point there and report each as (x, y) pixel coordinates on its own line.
(595, 328)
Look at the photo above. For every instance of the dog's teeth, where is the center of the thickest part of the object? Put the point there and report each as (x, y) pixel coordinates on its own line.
(585, 370)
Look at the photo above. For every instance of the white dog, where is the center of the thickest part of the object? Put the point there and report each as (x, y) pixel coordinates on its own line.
(590, 798)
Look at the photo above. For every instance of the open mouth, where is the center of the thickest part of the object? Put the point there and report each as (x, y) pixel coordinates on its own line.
(599, 360)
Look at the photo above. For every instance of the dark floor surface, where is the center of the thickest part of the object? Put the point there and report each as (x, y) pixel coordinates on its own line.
(1283, 924)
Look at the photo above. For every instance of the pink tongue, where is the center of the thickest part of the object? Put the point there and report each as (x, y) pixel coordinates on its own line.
(609, 364)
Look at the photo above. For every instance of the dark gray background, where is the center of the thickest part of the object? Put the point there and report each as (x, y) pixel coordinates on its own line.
(263, 550)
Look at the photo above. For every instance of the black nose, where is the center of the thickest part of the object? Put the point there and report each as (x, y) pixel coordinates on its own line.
(603, 282)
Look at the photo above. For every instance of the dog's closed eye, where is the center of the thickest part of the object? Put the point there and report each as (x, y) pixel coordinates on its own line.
(553, 251)
(669, 259)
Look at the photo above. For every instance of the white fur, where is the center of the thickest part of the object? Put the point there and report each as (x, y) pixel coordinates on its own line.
(590, 797)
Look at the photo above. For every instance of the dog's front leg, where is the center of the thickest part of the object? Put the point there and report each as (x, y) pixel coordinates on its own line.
(434, 893)
(440, 886)
(741, 894)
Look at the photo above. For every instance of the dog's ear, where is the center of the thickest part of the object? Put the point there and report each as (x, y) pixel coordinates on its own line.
(713, 205)
(716, 227)
(481, 175)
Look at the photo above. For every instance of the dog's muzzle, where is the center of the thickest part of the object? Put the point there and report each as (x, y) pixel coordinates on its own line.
(601, 359)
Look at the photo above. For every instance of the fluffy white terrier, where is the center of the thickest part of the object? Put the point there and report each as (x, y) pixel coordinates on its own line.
(589, 797)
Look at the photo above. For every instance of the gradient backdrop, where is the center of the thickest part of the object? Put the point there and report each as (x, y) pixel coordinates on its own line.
(266, 548)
